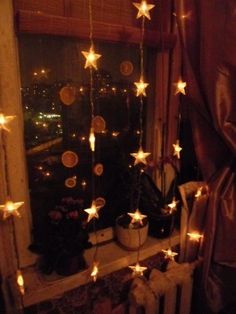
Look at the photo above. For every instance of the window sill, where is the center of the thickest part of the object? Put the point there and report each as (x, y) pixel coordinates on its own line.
(111, 258)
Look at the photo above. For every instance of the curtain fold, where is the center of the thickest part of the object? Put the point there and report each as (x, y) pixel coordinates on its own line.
(208, 37)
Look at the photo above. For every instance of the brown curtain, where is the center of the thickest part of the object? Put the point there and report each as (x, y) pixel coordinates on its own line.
(208, 38)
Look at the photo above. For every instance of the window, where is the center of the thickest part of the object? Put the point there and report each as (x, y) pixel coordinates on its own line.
(55, 99)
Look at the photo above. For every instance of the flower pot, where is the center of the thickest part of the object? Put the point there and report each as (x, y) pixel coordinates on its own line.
(131, 236)
(161, 225)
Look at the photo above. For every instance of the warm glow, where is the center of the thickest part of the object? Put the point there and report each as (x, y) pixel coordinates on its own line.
(94, 272)
(92, 140)
(195, 236)
(91, 58)
(199, 192)
(84, 184)
(137, 269)
(140, 156)
(143, 9)
(115, 134)
(180, 87)
(141, 86)
(177, 149)
(169, 254)
(4, 120)
(20, 282)
(92, 211)
(173, 205)
(11, 209)
(137, 217)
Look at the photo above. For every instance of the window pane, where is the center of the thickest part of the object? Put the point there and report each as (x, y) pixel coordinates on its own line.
(57, 114)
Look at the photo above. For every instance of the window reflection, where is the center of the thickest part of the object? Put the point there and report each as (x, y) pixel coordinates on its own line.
(55, 99)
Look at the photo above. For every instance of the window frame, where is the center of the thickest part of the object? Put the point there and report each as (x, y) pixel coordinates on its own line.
(27, 21)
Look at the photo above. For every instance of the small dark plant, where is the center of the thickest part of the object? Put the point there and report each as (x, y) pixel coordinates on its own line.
(66, 239)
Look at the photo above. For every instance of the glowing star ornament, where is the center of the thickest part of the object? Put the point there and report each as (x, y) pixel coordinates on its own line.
(4, 120)
(91, 58)
(172, 205)
(92, 211)
(195, 236)
(11, 209)
(180, 87)
(20, 282)
(137, 269)
(177, 149)
(199, 192)
(92, 140)
(140, 156)
(169, 254)
(143, 9)
(94, 272)
(137, 217)
(141, 88)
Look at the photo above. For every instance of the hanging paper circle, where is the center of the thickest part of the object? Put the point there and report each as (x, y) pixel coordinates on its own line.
(70, 182)
(69, 159)
(126, 68)
(98, 169)
(68, 95)
(100, 201)
(98, 124)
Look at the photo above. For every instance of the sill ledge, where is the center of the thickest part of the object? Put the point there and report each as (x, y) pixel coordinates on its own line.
(111, 257)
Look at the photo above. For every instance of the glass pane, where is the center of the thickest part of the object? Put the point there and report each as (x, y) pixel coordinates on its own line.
(57, 114)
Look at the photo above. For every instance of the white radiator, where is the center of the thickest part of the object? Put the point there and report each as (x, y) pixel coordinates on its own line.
(163, 293)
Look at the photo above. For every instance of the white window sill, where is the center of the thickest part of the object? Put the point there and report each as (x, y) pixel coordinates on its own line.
(111, 258)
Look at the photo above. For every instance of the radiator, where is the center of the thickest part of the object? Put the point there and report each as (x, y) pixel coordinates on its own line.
(163, 294)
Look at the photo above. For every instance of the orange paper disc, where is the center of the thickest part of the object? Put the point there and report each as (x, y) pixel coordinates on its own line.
(98, 169)
(98, 124)
(69, 159)
(126, 68)
(70, 182)
(100, 201)
(68, 95)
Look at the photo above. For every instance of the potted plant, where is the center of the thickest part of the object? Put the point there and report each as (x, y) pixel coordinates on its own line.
(66, 239)
(131, 233)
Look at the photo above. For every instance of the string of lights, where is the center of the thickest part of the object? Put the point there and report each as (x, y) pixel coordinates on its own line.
(10, 209)
(140, 156)
(91, 63)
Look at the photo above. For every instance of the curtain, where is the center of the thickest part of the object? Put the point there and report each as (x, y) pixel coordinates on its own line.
(207, 31)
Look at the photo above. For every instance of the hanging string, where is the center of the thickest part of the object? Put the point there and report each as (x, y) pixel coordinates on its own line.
(90, 23)
(137, 216)
(8, 193)
(91, 58)
(6, 175)
(142, 76)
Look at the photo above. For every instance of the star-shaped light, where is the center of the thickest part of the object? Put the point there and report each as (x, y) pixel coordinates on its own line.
(92, 211)
(4, 121)
(92, 140)
(94, 272)
(173, 205)
(177, 149)
(137, 217)
(199, 192)
(20, 282)
(180, 87)
(169, 254)
(195, 236)
(143, 9)
(11, 209)
(91, 58)
(141, 86)
(140, 156)
(137, 269)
